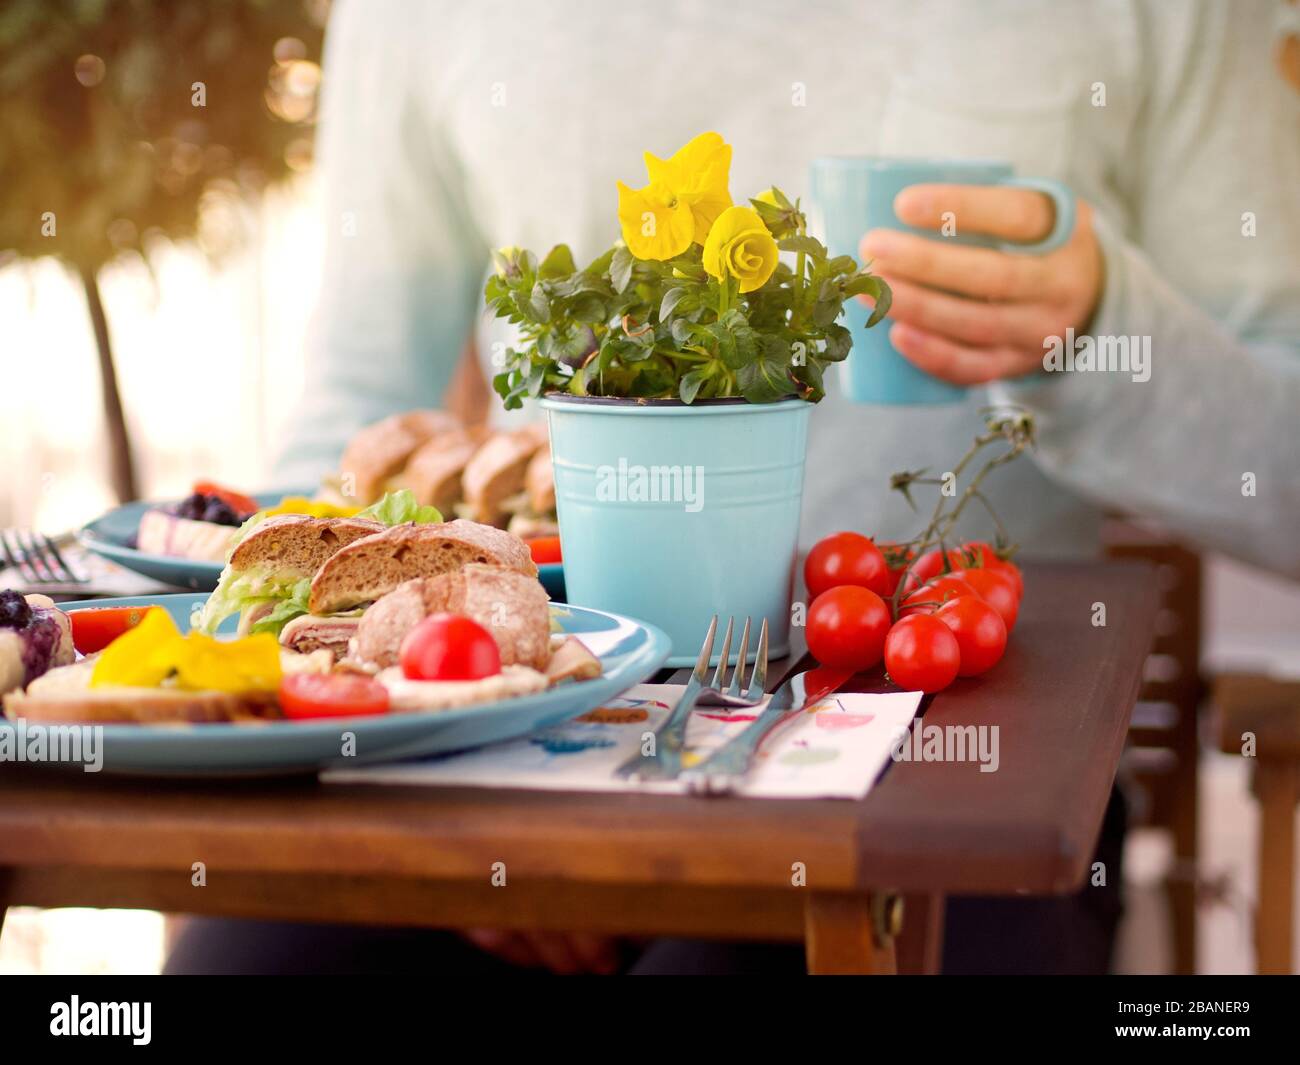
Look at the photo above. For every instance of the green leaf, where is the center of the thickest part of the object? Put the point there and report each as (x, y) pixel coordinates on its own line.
(869, 285)
(671, 298)
(620, 268)
(763, 381)
(839, 342)
(806, 244)
(588, 308)
(540, 303)
(558, 263)
(691, 384)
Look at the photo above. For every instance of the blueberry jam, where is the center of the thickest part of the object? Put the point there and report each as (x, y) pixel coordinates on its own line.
(200, 507)
(39, 632)
(15, 611)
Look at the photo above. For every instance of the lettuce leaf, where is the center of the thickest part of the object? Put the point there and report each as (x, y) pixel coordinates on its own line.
(235, 592)
(293, 606)
(397, 508)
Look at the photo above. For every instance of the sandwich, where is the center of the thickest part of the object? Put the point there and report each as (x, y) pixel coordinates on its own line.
(370, 568)
(381, 450)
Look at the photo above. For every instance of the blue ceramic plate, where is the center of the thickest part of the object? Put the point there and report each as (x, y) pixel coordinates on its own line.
(112, 534)
(628, 651)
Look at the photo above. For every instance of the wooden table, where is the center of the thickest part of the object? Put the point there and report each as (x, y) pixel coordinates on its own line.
(636, 864)
(1259, 717)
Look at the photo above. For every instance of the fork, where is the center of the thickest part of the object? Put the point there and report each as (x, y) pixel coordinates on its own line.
(665, 760)
(713, 695)
(36, 558)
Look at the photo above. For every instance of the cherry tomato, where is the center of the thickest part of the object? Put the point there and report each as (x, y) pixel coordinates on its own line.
(847, 627)
(239, 503)
(927, 567)
(979, 555)
(449, 647)
(1012, 571)
(545, 549)
(921, 654)
(897, 558)
(981, 635)
(95, 628)
(928, 599)
(997, 587)
(845, 558)
(310, 695)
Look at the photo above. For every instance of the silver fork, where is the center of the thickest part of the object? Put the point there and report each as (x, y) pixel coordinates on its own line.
(713, 695)
(36, 558)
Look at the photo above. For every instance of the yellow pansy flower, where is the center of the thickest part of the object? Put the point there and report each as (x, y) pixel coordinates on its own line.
(739, 245)
(656, 223)
(699, 173)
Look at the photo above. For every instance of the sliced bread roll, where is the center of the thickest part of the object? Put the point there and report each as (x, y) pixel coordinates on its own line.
(374, 565)
(435, 470)
(513, 607)
(378, 451)
(291, 543)
(497, 471)
(539, 482)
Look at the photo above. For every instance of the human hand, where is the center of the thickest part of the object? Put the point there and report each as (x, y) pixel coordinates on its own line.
(563, 953)
(970, 315)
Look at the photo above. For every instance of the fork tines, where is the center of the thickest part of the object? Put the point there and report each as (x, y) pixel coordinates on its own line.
(36, 558)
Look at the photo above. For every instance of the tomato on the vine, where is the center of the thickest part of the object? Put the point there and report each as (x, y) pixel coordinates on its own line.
(922, 654)
(845, 558)
(847, 627)
(981, 635)
(997, 587)
(934, 594)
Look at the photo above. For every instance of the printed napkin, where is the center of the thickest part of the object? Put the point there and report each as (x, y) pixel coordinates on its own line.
(834, 749)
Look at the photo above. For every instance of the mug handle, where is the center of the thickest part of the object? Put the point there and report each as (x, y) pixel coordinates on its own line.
(1063, 202)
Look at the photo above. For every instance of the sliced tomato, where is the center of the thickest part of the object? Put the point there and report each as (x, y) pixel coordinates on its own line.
(545, 550)
(311, 695)
(95, 628)
(239, 503)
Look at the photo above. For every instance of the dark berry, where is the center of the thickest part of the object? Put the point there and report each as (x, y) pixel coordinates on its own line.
(15, 611)
(220, 512)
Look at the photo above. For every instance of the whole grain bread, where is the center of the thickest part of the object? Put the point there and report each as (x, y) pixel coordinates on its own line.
(498, 468)
(293, 543)
(374, 565)
(378, 451)
(435, 470)
(513, 607)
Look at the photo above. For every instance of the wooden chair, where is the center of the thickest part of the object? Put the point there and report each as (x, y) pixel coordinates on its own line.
(1163, 740)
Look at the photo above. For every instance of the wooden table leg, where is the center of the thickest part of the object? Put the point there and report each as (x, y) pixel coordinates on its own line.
(920, 941)
(851, 933)
(1277, 787)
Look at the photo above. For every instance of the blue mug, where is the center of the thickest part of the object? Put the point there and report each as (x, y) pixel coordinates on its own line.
(852, 194)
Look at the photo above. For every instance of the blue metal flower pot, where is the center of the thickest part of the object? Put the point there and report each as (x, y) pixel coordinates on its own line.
(672, 514)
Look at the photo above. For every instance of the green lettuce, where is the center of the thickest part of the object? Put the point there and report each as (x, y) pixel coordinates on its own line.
(397, 508)
(236, 592)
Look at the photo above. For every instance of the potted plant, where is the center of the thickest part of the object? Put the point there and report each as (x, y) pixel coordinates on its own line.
(678, 371)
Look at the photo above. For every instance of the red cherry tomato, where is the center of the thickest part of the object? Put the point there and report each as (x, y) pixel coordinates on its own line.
(1012, 571)
(449, 647)
(95, 628)
(545, 550)
(847, 627)
(845, 558)
(921, 654)
(239, 503)
(927, 567)
(996, 587)
(310, 695)
(897, 558)
(981, 635)
(937, 592)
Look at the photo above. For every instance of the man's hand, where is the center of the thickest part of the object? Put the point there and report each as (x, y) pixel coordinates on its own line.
(563, 953)
(971, 315)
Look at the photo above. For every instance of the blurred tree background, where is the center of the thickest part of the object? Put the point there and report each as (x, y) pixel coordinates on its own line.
(128, 122)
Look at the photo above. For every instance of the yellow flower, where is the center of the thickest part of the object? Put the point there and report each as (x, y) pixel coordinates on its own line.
(145, 656)
(699, 173)
(656, 224)
(314, 508)
(685, 195)
(740, 246)
(768, 196)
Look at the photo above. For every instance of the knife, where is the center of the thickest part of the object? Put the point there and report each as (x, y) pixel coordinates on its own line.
(726, 767)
